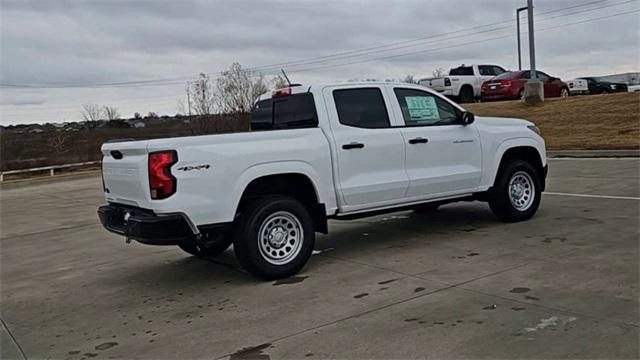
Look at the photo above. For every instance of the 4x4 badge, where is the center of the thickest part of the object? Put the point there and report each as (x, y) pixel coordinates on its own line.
(196, 167)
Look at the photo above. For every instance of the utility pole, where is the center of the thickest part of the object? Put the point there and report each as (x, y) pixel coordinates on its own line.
(518, 10)
(533, 89)
(532, 45)
(189, 97)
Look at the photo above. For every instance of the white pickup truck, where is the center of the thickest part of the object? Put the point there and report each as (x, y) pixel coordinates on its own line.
(464, 82)
(317, 153)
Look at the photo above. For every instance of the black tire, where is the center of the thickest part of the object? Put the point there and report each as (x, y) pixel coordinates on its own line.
(268, 211)
(567, 92)
(500, 199)
(521, 94)
(466, 95)
(426, 208)
(209, 248)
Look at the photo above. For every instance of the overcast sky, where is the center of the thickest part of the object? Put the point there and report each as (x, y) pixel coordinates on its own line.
(74, 43)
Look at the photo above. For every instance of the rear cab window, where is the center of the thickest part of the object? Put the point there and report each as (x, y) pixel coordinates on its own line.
(362, 108)
(287, 112)
(461, 71)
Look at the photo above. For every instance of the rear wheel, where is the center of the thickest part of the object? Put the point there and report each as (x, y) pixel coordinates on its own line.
(466, 95)
(516, 193)
(521, 94)
(564, 93)
(274, 237)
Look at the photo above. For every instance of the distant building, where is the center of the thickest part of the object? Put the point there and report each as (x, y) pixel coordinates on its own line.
(630, 78)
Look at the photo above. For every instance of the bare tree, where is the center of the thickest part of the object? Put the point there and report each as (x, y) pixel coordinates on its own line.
(237, 89)
(201, 94)
(111, 113)
(91, 112)
(279, 82)
(58, 141)
(410, 79)
(439, 72)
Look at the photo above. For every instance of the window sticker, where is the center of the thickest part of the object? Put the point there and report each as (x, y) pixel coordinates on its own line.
(422, 108)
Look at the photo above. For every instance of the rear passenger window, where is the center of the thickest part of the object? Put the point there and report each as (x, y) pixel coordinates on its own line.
(290, 112)
(363, 108)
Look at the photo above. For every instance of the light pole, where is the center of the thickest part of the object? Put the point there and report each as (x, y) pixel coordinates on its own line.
(533, 89)
(532, 45)
(518, 10)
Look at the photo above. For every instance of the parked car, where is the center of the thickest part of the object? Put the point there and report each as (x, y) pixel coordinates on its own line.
(463, 83)
(339, 151)
(510, 85)
(604, 87)
(578, 87)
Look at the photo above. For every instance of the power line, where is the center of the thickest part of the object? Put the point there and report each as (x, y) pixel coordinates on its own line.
(264, 69)
(337, 56)
(446, 39)
(418, 39)
(458, 45)
(461, 44)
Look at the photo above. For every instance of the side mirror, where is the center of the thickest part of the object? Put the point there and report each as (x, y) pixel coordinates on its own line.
(468, 118)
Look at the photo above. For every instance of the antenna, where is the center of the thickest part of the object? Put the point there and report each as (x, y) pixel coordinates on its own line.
(285, 76)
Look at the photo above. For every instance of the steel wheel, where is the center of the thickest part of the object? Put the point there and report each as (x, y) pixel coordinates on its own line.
(280, 237)
(564, 93)
(521, 191)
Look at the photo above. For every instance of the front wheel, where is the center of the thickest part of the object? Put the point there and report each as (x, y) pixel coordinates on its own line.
(516, 193)
(274, 237)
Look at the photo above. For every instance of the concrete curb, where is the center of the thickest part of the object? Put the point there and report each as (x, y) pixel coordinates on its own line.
(631, 153)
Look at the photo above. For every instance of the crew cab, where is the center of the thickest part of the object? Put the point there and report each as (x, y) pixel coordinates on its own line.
(463, 83)
(315, 153)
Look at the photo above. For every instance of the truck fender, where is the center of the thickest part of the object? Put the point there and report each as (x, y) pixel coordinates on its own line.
(324, 192)
(503, 147)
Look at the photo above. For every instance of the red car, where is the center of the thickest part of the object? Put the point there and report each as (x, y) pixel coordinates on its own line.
(510, 85)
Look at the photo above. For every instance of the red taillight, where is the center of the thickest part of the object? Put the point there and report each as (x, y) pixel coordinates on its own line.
(161, 183)
(485, 85)
(281, 92)
(505, 83)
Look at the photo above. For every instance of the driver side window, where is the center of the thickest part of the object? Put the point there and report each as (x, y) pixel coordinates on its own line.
(420, 108)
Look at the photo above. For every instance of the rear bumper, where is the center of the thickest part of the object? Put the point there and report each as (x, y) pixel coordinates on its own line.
(145, 226)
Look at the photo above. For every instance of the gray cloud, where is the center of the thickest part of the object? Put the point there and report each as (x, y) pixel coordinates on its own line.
(73, 42)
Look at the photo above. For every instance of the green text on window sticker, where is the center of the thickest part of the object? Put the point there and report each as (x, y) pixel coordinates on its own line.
(422, 108)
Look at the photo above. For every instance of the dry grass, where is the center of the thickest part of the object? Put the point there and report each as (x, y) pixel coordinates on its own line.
(582, 122)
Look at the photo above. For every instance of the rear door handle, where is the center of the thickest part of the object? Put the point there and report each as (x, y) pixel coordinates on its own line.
(353, 145)
(418, 140)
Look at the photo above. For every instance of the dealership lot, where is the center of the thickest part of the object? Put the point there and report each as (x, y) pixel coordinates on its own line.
(453, 283)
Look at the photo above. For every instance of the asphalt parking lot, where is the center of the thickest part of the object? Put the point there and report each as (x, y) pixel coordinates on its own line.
(451, 284)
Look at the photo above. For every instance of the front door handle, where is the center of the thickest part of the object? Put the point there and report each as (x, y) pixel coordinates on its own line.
(418, 140)
(353, 145)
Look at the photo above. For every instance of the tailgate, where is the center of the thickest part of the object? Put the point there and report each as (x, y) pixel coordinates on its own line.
(124, 172)
(437, 84)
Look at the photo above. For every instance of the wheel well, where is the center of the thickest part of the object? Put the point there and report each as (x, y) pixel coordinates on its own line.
(528, 154)
(466, 87)
(298, 186)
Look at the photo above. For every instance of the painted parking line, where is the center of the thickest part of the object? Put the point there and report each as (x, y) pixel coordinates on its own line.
(594, 196)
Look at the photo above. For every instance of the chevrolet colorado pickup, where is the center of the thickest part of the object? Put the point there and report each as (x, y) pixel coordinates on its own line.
(316, 153)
